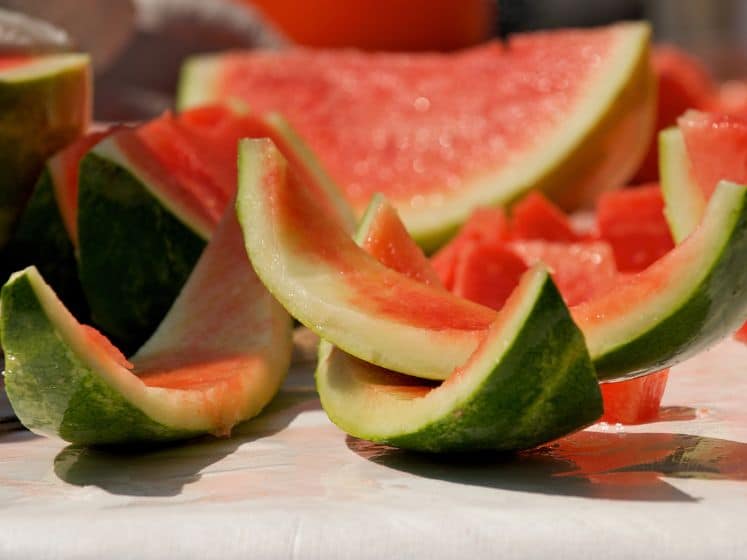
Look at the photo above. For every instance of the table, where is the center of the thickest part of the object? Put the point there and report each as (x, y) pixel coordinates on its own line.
(291, 485)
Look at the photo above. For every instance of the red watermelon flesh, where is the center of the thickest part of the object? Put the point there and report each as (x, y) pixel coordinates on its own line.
(632, 221)
(634, 401)
(396, 123)
(8, 62)
(64, 167)
(580, 270)
(193, 155)
(716, 147)
(535, 217)
(684, 83)
(485, 224)
(388, 241)
(487, 273)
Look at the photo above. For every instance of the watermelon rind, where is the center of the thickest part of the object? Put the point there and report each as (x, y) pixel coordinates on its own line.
(61, 384)
(40, 238)
(292, 259)
(597, 148)
(686, 301)
(684, 201)
(135, 251)
(44, 105)
(530, 381)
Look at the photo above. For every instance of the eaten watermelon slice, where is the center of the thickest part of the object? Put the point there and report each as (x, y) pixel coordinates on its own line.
(441, 134)
(217, 358)
(45, 103)
(148, 200)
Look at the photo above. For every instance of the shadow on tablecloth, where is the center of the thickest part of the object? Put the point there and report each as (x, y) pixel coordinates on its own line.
(165, 470)
(627, 466)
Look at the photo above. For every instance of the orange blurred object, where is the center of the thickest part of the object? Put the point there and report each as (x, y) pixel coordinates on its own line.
(382, 24)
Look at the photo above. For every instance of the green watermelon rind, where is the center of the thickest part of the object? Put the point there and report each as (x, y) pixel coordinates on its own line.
(41, 238)
(53, 389)
(530, 381)
(44, 105)
(134, 253)
(703, 301)
(597, 149)
(684, 202)
(62, 383)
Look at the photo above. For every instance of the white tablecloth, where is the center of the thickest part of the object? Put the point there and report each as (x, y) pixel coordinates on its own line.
(291, 485)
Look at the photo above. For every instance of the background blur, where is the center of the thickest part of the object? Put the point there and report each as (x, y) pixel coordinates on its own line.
(138, 45)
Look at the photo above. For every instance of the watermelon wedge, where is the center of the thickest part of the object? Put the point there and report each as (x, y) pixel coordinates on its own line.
(45, 102)
(306, 258)
(217, 358)
(441, 134)
(687, 300)
(148, 201)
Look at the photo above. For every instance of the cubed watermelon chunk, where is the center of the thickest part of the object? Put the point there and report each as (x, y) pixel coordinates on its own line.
(535, 217)
(632, 221)
(634, 401)
(487, 273)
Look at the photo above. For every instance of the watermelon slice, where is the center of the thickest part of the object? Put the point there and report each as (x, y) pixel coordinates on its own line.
(47, 231)
(307, 259)
(217, 358)
(148, 200)
(688, 299)
(442, 134)
(45, 102)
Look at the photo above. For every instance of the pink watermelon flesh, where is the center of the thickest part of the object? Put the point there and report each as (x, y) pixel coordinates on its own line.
(634, 401)
(684, 83)
(535, 217)
(193, 157)
(486, 225)
(717, 149)
(406, 124)
(389, 242)
(487, 273)
(580, 270)
(632, 221)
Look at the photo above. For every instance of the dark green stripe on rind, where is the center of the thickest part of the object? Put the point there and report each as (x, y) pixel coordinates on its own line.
(714, 309)
(543, 386)
(52, 390)
(41, 239)
(38, 116)
(134, 254)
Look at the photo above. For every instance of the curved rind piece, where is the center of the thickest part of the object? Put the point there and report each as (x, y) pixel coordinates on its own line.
(529, 382)
(598, 146)
(684, 201)
(134, 253)
(44, 105)
(306, 258)
(686, 301)
(219, 356)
